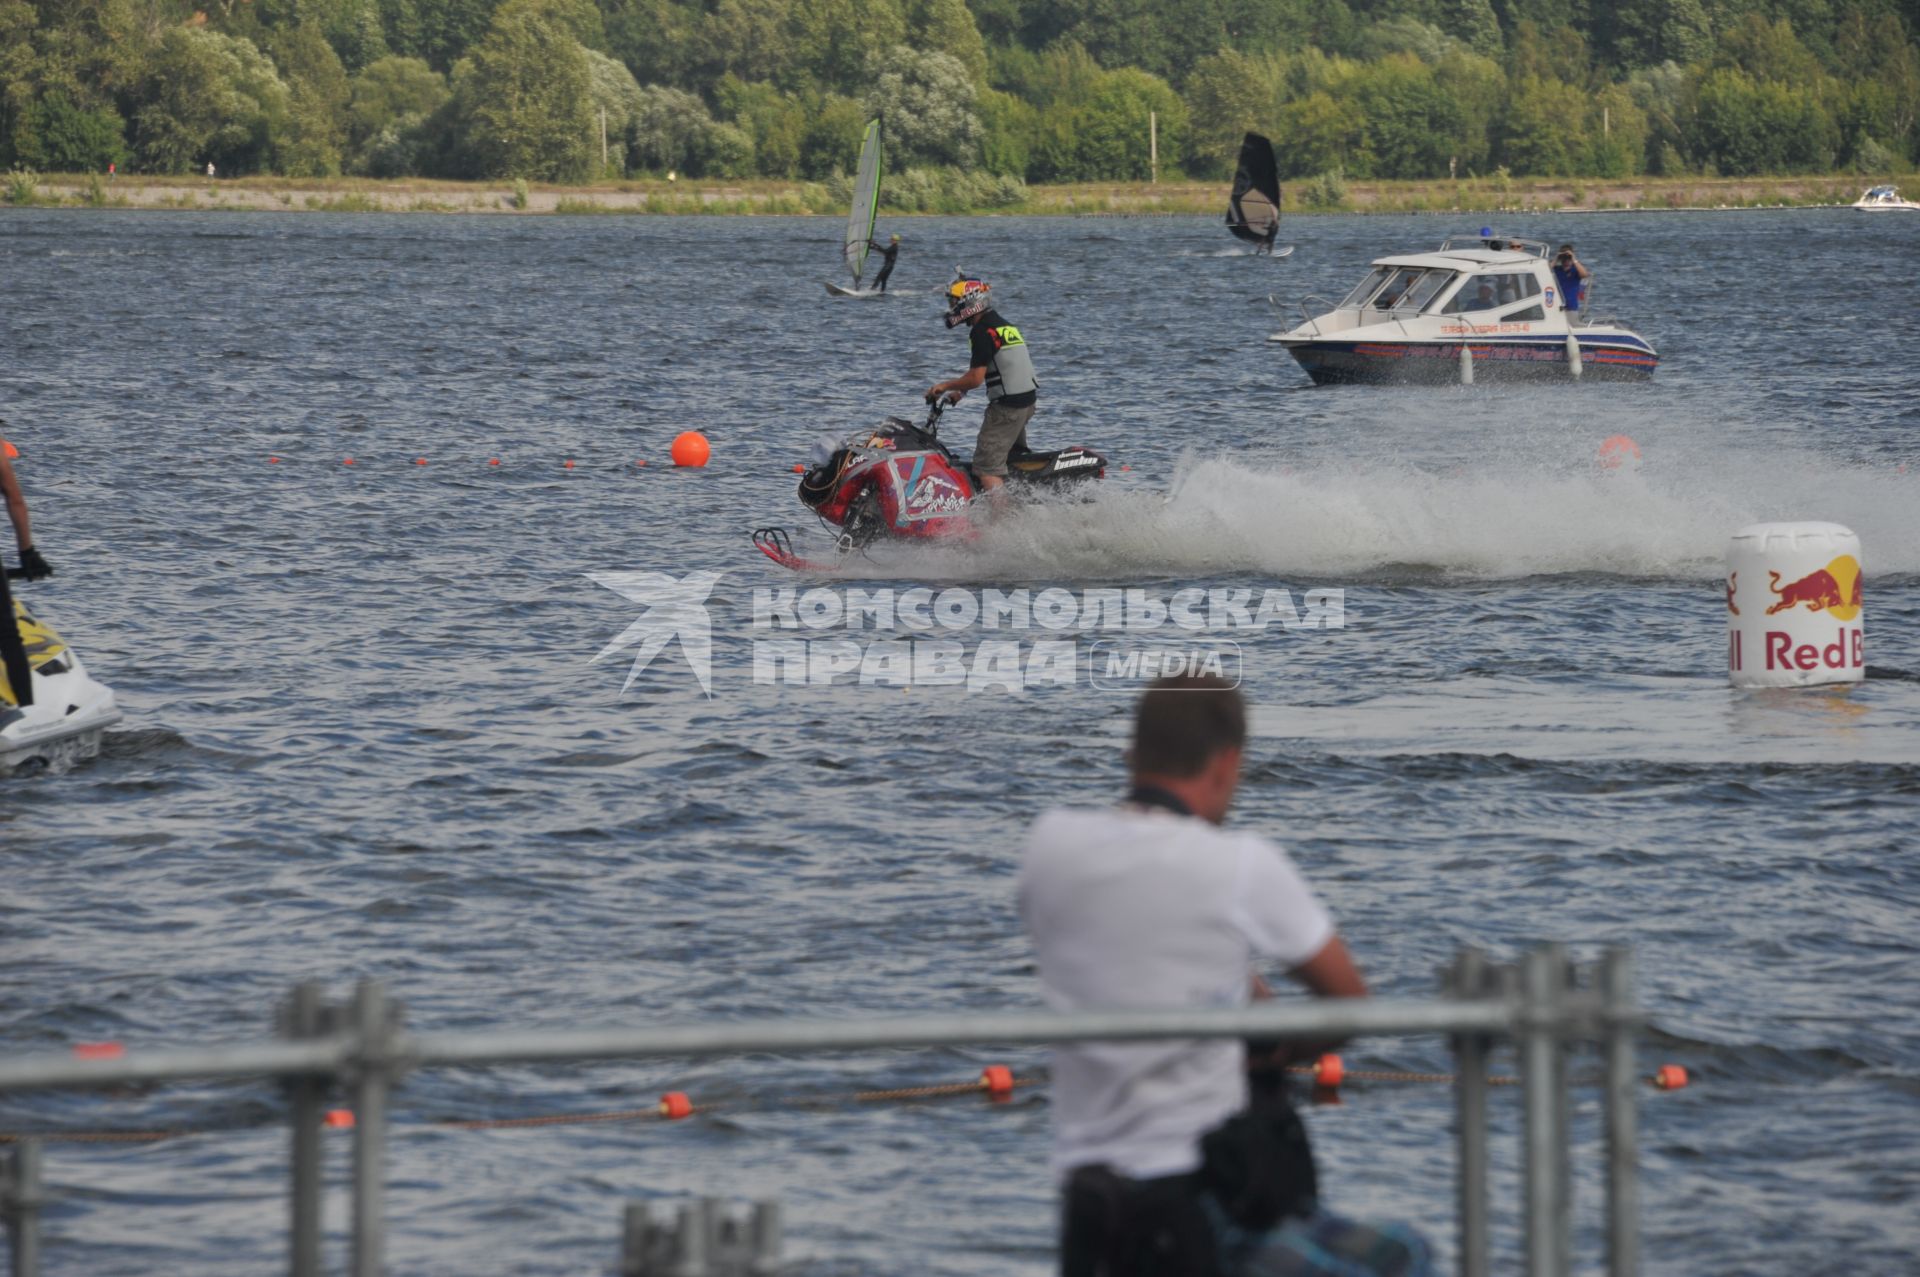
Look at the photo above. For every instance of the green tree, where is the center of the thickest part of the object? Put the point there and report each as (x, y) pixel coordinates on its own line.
(925, 103)
(530, 107)
(1110, 129)
(1544, 129)
(391, 103)
(1229, 95)
(617, 104)
(315, 131)
(948, 26)
(831, 138)
(669, 129)
(69, 139)
(1008, 127)
(1411, 122)
(839, 41)
(208, 98)
(1472, 22)
(775, 122)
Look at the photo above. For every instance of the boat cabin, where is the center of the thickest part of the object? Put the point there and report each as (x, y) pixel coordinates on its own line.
(1496, 279)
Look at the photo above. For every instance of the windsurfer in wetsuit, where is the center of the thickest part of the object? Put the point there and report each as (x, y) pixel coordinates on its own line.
(13, 652)
(1000, 362)
(888, 251)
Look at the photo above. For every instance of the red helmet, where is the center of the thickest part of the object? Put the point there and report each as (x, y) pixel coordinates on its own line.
(966, 298)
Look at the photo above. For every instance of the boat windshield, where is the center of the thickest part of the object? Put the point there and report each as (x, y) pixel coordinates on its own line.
(1410, 288)
(1366, 287)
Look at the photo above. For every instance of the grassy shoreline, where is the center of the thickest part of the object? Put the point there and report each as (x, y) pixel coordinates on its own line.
(762, 197)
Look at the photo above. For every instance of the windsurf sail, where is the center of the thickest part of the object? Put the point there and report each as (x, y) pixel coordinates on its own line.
(866, 202)
(1253, 210)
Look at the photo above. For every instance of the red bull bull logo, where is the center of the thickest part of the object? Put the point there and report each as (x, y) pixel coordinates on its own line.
(1834, 589)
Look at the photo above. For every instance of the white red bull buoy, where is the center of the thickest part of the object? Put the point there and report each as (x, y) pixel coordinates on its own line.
(1795, 606)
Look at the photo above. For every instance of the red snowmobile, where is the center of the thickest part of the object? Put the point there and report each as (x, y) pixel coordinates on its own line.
(899, 482)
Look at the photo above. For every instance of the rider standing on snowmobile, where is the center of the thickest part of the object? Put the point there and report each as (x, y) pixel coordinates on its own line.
(1001, 362)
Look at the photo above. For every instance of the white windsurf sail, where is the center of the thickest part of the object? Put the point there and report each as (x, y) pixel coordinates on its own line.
(866, 203)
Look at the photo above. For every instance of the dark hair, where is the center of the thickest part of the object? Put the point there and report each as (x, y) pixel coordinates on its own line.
(1183, 721)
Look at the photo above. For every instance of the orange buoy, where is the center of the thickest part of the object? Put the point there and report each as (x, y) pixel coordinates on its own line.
(690, 448)
(98, 1051)
(348, 461)
(494, 461)
(273, 461)
(419, 461)
(997, 1079)
(338, 1119)
(798, 468)
(1671, 1077)
(1617, 451)
(641, 462)
(1329, 1071)
(675, 1105)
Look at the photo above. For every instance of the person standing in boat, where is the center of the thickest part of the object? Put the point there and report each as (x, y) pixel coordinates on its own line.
(888, 251)
(999, 360)
(1184, 1158)
(1572, 277)
(13, 652)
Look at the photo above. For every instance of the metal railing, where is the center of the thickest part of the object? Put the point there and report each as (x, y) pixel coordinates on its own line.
(1544, 1004)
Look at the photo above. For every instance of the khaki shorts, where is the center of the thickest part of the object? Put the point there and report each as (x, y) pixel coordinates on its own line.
(1000, 430)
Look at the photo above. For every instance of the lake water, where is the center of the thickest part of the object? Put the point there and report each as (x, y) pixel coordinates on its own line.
(364, 735)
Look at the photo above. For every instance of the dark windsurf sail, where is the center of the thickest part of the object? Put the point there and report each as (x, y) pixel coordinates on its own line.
(1253, 210)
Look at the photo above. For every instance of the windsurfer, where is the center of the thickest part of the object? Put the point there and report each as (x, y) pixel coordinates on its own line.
(888, 251)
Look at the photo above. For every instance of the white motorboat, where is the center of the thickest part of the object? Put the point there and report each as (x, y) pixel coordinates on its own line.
(1879, 198)
(1483, 306)
(69, 712)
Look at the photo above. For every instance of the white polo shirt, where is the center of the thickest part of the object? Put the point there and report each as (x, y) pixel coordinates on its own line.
(1141, 908)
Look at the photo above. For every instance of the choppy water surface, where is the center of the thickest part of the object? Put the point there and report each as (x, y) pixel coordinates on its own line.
(363, 734)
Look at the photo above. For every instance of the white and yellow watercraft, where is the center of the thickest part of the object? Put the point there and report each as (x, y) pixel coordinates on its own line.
(69, 712)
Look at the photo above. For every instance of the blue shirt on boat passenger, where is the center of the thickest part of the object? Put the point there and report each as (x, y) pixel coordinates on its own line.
(1571, 285)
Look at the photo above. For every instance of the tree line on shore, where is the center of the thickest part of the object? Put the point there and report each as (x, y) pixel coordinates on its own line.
(994, 92)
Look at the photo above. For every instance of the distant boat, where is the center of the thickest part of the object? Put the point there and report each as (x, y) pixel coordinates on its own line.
(1882, 197)
(860, 217)
(1253, 210)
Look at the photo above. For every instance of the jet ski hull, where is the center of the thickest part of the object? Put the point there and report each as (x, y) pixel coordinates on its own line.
(70, 711)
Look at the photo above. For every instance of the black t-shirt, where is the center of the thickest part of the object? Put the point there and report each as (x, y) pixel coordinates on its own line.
(987, 338)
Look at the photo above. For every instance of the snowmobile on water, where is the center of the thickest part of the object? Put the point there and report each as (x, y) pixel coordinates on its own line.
(899, 482)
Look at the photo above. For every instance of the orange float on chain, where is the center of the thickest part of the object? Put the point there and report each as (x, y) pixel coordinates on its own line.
(675, 1105)
(997, 1079)
(338, 1119)
(1329, 1071)
(99, 1051)
(1670, 1077)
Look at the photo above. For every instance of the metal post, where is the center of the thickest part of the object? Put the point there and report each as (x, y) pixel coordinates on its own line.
(373, 1027)
(302, 1017)
(1623, 1117)
(1469, 980)
(636, 1239)
(1153, 145)
(1541, 983)
(20, 1202)
(603, 141)
(1563, 992)
(764, 1229)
